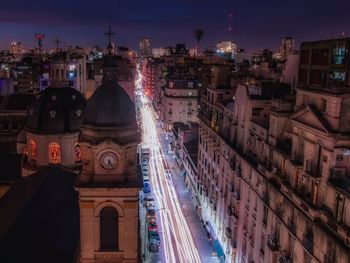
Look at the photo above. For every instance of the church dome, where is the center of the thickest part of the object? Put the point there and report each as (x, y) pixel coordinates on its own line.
(56, 110)
(110, 106)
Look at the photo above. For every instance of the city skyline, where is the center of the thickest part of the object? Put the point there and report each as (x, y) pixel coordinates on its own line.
(253, 25)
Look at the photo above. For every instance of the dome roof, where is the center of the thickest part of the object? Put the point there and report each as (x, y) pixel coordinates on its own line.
(110, 106)
(56, 110)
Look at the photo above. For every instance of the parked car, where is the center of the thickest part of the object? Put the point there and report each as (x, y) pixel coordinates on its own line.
(151, 214)
(148, 202)
(152, 226)
(153, 241)
(145, 172)
(146, 187)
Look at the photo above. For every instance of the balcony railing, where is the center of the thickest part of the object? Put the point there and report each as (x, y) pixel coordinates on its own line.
(272, 242)
(291, 226)
(252, 159)
(284, 146)
(229, 211)
(311, 170)
(340, 181)
(233, 164)
(297, 159)
(266, 198)
(238, 171)
(284, 257)
(308, 244)
(237, 195)
(228, 232)
(279, 212)
(235, 218)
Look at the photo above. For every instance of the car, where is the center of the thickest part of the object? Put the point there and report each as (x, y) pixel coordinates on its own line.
(153, 235)
(154, 245)
(148, 201)
(150, 207)
(146, 187)
(152, 227)
(151, 214)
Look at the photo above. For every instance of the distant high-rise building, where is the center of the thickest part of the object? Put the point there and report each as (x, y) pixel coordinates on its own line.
(145, 47)
(325, 63)
(227, 49)
(287, 47)
(16, 48)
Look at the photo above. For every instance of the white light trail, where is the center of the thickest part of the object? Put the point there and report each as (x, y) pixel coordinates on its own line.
(177, 238)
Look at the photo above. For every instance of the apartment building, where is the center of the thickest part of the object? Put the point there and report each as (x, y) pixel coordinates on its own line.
(179, 102)
(273, 173)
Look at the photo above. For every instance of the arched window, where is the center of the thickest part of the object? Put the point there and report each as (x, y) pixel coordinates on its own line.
(54, 153)
(32, 146)
(77, 153)
(109, 228)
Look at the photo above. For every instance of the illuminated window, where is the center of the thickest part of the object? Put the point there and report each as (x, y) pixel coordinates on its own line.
(32, 150)
(54, 153)
(108, 229)
(77, 153)
(338, 54)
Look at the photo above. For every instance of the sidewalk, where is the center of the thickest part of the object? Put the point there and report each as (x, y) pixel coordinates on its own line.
(196, 227)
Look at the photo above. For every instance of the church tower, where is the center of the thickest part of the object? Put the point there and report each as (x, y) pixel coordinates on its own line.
(110, 179)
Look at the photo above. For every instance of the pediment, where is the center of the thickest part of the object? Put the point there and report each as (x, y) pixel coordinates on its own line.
(309, 117)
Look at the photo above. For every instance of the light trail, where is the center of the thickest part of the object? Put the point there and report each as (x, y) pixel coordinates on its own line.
(177, 238)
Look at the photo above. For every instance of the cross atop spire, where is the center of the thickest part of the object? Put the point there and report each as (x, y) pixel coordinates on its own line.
(109, 34)
(57, 42)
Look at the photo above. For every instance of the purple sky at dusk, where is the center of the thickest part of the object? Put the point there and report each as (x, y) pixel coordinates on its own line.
(256, 24)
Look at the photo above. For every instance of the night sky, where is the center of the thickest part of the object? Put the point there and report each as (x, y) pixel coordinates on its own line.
(256, 24)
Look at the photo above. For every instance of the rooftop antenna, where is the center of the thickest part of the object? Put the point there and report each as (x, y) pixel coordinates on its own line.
(109, 34)
(57, 42)
(39, 37)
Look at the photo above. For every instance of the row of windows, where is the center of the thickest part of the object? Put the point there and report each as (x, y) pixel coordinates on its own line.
(54, 152)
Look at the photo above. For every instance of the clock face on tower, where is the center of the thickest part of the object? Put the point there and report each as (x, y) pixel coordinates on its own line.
(109, 160)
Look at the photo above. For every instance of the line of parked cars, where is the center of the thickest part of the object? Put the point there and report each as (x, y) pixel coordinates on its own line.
(152, 227)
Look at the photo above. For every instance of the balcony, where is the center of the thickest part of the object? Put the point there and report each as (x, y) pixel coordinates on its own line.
(266, 198)
(252, 159)
(245, 231)
(339, 179)
(274, 181)
(272, 243)
(235, 218)
(291, 226)
(305, 196)
(279, 212)
(229, 211)
(237, 195)
(297, 160)
(284, 257)
(285, 146)
(238, 171)
(231, 188)
(311, 170)
(228, 232)
(308, 244)
(233, 164)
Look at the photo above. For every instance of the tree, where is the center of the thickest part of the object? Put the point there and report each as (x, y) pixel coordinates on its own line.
(198, 34)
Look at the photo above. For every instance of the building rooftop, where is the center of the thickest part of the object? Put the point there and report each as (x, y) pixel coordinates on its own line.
(40, 218)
